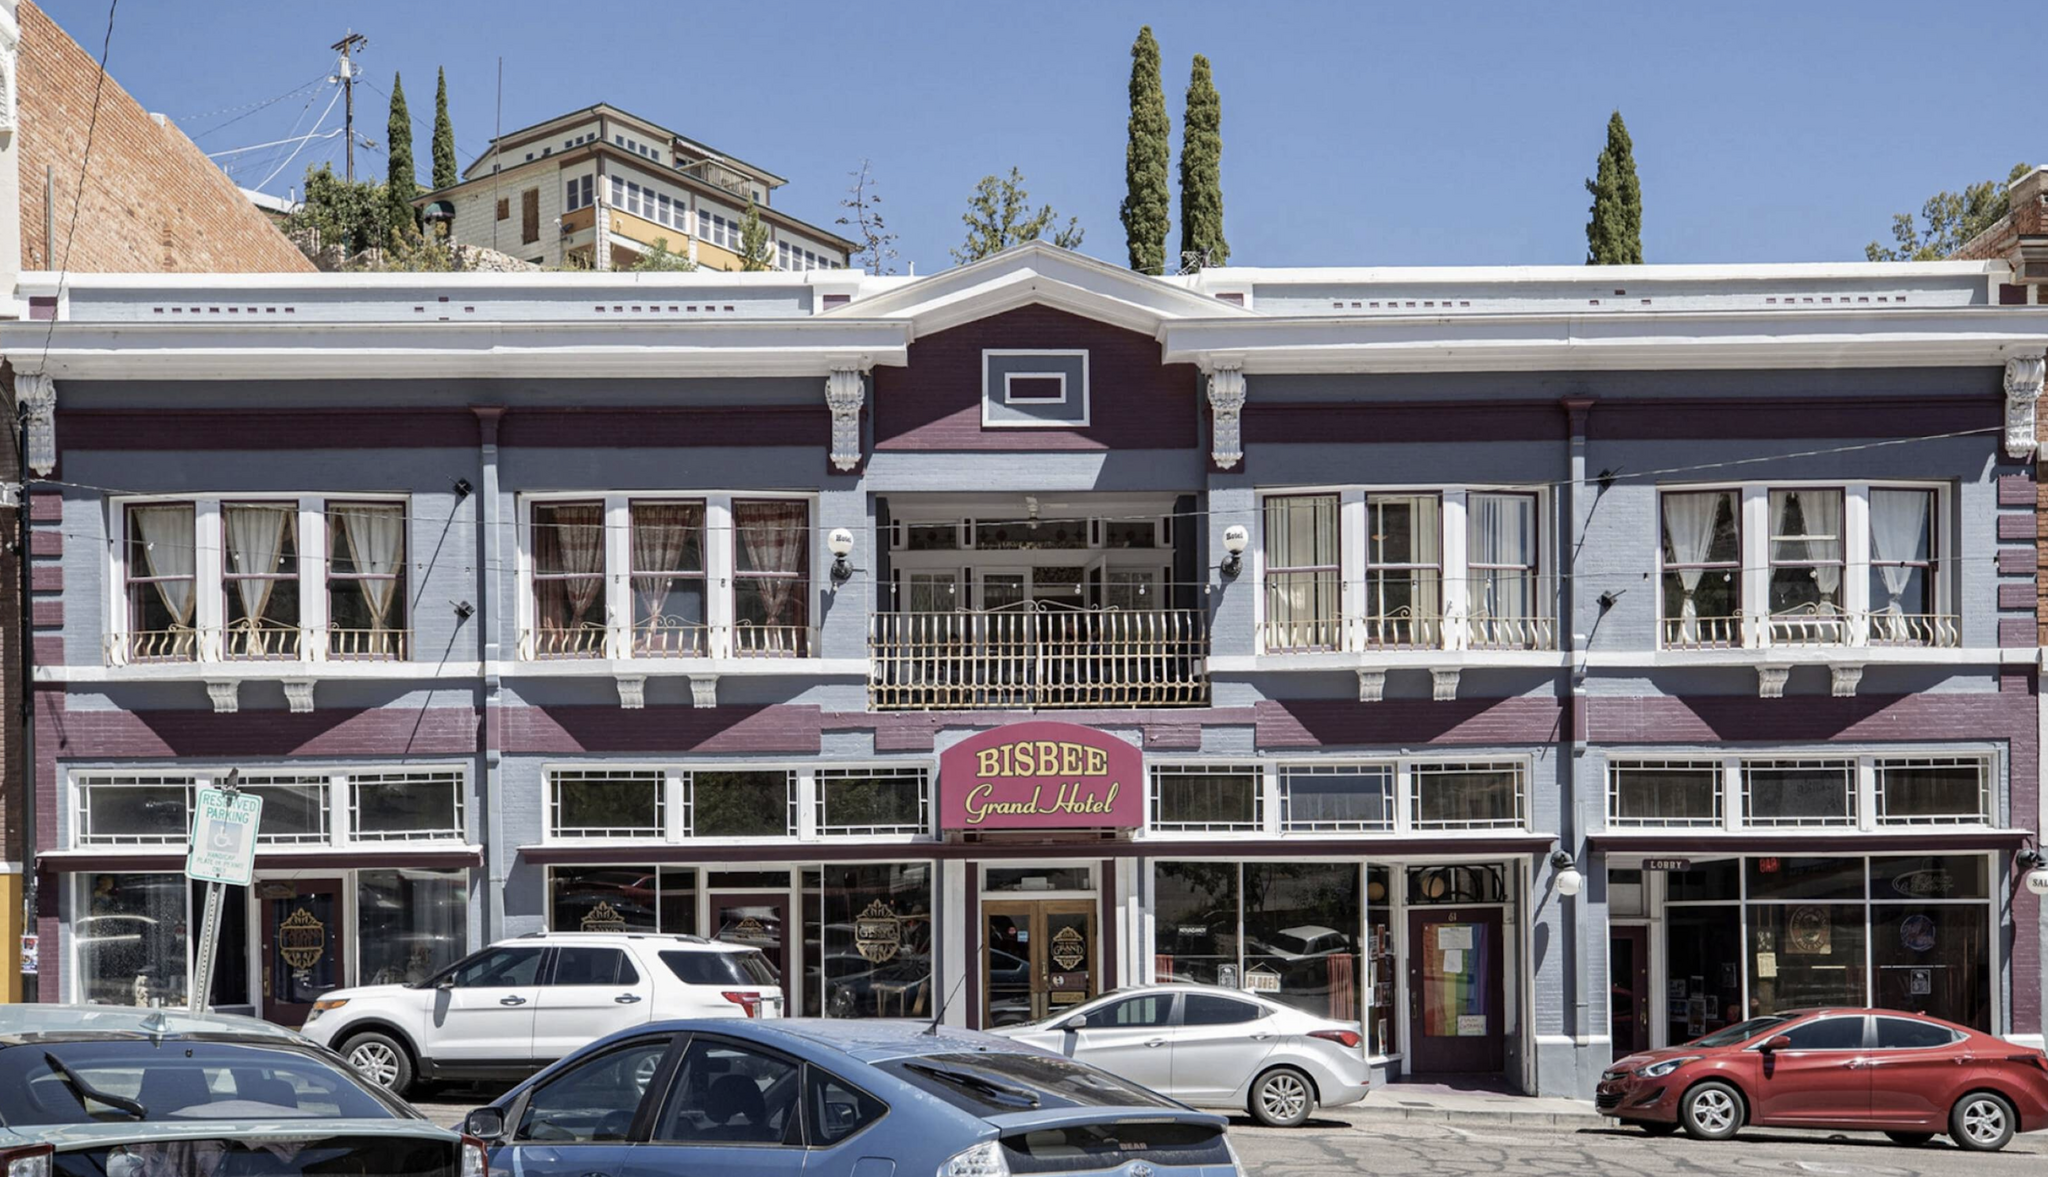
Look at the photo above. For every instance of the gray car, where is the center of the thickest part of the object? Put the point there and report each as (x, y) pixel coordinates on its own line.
(114, 1091)
(838, 1098)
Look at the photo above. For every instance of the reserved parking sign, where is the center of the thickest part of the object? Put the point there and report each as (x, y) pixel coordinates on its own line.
(224, 837)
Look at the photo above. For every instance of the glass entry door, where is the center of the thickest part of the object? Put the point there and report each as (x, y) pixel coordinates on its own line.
(302, 946)
(757, 921)
(1039, 957)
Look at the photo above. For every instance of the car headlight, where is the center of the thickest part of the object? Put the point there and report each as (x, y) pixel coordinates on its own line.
(983, 1160)
(324, 1004)
(1663, 1067)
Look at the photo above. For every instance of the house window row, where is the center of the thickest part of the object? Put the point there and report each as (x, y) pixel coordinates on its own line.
(647, 202)
(344, 807)
(1365, 796)
(718, 230)
(634, 577)
(1855, 792)
(1358, 570)
(291, 579)
(638, 148)
(1804, 566)
(796, 257)
(580, 192)
(655, 804)
(578, 140)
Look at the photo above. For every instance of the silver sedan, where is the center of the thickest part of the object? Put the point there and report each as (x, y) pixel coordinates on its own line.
(1212, 1048)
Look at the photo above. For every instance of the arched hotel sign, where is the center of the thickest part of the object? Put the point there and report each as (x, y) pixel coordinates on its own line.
(1041, 776)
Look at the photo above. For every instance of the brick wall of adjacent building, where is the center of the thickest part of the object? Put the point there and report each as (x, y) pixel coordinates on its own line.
(153, 202)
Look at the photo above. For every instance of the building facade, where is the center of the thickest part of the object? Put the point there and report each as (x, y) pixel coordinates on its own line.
(598, 188)
(1531, 665)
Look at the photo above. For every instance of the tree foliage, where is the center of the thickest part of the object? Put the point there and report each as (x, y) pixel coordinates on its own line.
(446, 174)
(401, 181)
(659, 258)
(1201, 173)
(999, 215)
(1146, 211)
(755, 251)
(877, 252)
(338, 214)
(1614, 234)
(1947, 221)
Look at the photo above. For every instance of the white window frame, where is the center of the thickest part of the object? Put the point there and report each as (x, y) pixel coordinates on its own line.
(1010, 396)
(209, 590)
(552, 780)
(1865, 793)
(824, 830)
(804, 828)
(338, 795)
(1263, 809)
(1286, 770)
(1713, 766)
(987, 393)
(719, 567)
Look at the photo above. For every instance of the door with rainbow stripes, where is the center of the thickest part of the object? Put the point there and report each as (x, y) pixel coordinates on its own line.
(1455, 1022)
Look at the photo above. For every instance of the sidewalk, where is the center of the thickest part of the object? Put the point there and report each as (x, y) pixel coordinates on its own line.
(1435, 1101)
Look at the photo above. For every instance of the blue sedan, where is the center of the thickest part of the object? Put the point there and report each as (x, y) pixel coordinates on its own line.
(828, 1098)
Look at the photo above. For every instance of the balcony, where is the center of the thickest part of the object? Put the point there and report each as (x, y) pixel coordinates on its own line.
(258, 641)
(1038, 657)
(1813, 628)
(1407, 629)
(712, 172)
(666, 638)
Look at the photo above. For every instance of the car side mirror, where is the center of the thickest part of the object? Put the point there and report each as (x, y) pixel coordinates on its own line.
(1077, 1022)
(445, 983)
(485, 1123)
(1777, 1042)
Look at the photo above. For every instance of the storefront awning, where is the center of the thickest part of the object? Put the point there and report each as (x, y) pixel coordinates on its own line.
(1477, 846)
(63, 861)
(1805, 844)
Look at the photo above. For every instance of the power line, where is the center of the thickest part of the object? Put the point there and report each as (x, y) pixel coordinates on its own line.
(92, 127)
(250, 108)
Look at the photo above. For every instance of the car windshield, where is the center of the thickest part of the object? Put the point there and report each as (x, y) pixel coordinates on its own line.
(1739, 1032)
(994, 1083)
(176, 1080)
(710, 967)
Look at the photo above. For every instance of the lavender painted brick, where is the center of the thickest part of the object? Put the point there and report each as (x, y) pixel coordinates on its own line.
(2012, 525)
(2017, 561)
(2017, 631)
(46, 577)
(2020, 595)
(46, 541)
(45, 506)
(2017, 490)
(47, 612)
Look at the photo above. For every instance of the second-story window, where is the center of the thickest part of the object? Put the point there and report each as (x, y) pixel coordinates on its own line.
(668, 579)
(1702, 569)
(1903, 569)
(1806, 566)
(161, 583)
(261, 580)
(568, 580)
(1304, 588)
(771, 576)
(1501, 562)
(1403, 572)
(366, 580)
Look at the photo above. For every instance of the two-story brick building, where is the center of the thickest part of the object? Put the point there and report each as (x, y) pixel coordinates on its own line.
(1530, 664)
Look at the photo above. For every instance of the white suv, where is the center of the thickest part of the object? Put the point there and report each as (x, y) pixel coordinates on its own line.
(519, 1005)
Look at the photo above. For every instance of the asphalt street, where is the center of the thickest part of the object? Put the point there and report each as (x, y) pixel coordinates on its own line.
(1338, 1144)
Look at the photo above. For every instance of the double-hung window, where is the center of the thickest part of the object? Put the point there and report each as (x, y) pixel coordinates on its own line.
(366, 580)
(650, 577)
(162, 583)
(1304, 587)
(1905, 570)
(1702, 569)
(1501, 585)
(1403, 571)
(261, 580)
(1807, 560)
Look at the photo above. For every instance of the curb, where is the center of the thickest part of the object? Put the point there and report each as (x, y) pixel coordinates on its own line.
(1573, 1120)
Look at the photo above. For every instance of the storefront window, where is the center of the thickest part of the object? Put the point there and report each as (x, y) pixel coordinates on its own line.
(1456, 885)
(1805, 878)
(1704, 989)
(411, 923)
(742, 804)
(131, 939)
(1719, 879)
(1933, 958)
(1301, 928)
(1805, 954)
(868, 941)
(1195, 913)
(605, 899)
(230, 970)
(1379, 933)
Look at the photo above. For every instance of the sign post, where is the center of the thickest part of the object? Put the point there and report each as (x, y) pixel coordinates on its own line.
(222, 854)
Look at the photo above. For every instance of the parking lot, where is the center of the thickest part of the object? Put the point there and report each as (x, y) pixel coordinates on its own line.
(1339, 1143)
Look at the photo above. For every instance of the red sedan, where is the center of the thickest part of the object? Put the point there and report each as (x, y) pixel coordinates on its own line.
(1872, 1070)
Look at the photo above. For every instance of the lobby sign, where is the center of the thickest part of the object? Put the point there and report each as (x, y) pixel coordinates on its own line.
(1041, 776)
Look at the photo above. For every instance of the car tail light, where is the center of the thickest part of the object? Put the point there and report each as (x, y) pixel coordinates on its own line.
(475, 1158)
(751, 1002)
(1348, 1039)
(2031, 1058)
(983, 1160)
(32, 1161)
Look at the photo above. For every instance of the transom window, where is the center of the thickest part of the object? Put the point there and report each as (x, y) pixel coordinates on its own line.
(1664, 793)
(1469, 796)
(1207, 798)
(601, 803)
(642, 577)
(291, 579)
(1864, 792)
(1336, 798)
(1398, 796)
(338, 808)
(677, 803)
(860, 802)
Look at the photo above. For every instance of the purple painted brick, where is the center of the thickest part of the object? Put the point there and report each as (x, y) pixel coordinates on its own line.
(46, 577)
(2017, 561)
(49, 650)
(2016, 490)
(2013, 525)
(46, 506)
(46, 541)
(2018, 595)
(2018, 631)
(47, 612)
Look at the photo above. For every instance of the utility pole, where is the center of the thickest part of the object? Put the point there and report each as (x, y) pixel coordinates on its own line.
(346, 75)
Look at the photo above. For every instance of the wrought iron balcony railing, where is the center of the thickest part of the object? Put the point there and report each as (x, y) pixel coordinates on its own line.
(1038, 657)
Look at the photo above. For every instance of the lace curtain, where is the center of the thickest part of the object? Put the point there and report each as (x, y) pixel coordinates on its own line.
(1808, 528)
(772, 537)
(569, 552)
(1301, 607)
(375, 539)
(662, 537)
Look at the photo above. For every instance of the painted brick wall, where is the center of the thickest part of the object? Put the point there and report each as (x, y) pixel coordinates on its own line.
(155, 203)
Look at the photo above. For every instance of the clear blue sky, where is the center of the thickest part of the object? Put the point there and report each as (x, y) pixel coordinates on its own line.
(1354, 133)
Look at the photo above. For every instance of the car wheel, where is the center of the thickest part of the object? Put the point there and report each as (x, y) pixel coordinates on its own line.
(1282, 1098)
(1910, 1139)
(1711, 1111)
(1657, 1127)
(381, 1059)
(1981, 1122)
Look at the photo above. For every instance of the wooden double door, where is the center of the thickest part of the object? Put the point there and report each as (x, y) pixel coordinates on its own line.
(1038, 957)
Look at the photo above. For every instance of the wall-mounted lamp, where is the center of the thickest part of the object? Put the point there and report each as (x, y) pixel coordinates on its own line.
(1606, 480)
(464, 610)
(1609, 598)
(462, 489)
(1569, 881)
(1235, 540)
(840, 541)
(2027, 858)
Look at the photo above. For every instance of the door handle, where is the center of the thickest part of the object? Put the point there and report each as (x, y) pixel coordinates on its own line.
(627, 998)
(511, 1001)
(1151, 1042)
(1856, 1063)
(1261, 1036)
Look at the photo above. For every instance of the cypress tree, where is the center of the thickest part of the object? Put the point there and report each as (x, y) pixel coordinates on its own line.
(401, 183)
(1201, 172)
(446, 175)
(1147, 210)
(1614, 234)
(756, 253)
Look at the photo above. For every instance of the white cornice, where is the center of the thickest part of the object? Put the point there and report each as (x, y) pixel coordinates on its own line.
(1237, 276)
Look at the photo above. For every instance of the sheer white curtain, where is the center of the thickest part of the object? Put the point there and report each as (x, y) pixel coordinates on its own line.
(1689, 533)
(1823, 509)
(255, 549)
(1898, 525)
(168, 547)
(1302, 594)
(1502, 548)
(376, 545)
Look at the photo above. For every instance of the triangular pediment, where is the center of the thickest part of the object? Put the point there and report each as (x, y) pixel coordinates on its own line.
(1037, 273)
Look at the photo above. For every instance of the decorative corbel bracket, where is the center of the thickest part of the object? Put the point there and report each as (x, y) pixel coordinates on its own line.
(1226, 406)
(1845, 678)
(1770, 680)
(36, 392)
(2023, 379)
(1372, 685)
(632, 691)
(226, 695)
(298, 694)
(1444, 679)
(704, 690)
(845, 392)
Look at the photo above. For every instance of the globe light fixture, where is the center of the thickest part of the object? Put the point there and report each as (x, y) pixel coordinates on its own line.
(1235, 540)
